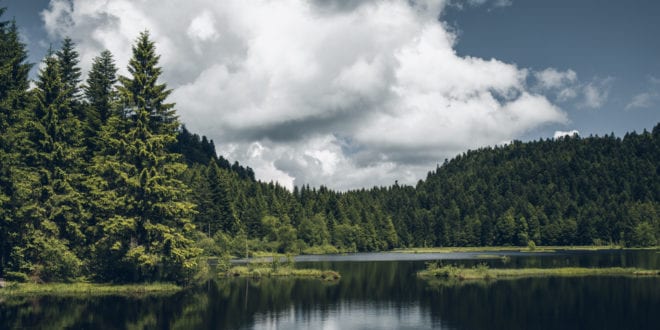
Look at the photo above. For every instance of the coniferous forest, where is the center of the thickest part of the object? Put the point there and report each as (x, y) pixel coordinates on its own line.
(100, 180)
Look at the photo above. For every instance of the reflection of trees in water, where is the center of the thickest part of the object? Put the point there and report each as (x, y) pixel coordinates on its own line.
(89, 313)
(547, 303)
(228, 303)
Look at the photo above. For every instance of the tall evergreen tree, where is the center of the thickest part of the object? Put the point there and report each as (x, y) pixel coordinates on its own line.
(52, 217)
(14, 71)
(147, 233)
(68, 59)
(100, 91)
(221, 214)
(142, 92)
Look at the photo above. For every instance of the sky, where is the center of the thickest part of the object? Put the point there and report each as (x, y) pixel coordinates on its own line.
(351, 94)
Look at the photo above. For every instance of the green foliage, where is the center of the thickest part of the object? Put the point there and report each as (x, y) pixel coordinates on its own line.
(100, 92)
(314, 231)
(16, 277)
(263, 270)
(113, 188)
(54, 261)
(67, 59)
(14, 102)
(280, 233)
(89, 289)
(483, 272)
(145, 224)
(643, 235)
(531, 245)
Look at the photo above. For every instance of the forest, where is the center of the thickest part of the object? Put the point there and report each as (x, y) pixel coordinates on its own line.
(99, 180)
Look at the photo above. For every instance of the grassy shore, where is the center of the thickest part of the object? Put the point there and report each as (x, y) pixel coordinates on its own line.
(509, 248)
(266, 271)
(482, 272)
(86, 289)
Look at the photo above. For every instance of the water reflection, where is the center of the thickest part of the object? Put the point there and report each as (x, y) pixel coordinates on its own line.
(375, 295)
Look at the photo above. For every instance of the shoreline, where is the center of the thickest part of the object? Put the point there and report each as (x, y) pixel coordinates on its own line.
(15, 289)
(485, 273)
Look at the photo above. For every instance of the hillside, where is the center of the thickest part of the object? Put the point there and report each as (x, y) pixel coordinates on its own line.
(569, 191)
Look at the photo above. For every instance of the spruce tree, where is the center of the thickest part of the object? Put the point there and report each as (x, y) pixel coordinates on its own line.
(14, 71)
(100, 90)
(52, 213)
(68, 59)
(222, 213)
(145, 226)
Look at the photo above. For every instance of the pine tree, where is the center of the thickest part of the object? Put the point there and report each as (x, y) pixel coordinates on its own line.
(52, 213)
(143, 93)
(222, 213)
(145, 223)
(197, 180)
(14, 71)
(68, 59)
(100, 91)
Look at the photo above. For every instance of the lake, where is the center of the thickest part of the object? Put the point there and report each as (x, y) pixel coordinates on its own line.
(378, 291)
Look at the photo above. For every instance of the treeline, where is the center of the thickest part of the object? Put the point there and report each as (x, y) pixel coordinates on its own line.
(566, 191)
(99, 180)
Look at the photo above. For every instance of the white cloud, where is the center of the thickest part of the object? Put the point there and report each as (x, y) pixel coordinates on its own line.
(564, 84)
(339, 93)
(552, 78)
(559, 134)
(642, 100)
(596, 93)
(646, 99)
(202, 27)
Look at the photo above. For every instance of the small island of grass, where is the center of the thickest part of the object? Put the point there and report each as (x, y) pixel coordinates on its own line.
(266, 271)
(483, 272)
(274, 267)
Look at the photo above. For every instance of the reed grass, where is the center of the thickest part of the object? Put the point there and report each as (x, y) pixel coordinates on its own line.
(482, 272)
(86, 289)
(264, 271)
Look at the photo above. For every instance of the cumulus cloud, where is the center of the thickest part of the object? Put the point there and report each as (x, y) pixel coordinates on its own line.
(343, 93)
(559, 134)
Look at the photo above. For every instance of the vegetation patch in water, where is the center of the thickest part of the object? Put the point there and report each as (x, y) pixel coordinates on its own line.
(265, 271)
(276, 268)
(86, 289)
(483, 272)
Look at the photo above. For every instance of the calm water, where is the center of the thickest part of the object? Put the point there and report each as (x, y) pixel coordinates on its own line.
(377, 291)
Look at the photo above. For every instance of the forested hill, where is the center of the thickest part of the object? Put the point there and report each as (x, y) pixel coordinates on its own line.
(566, 191)
(199, 150)
(571, 190)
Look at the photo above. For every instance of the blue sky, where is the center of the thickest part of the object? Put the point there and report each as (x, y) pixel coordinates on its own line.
(361, 93)
(595, 38)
